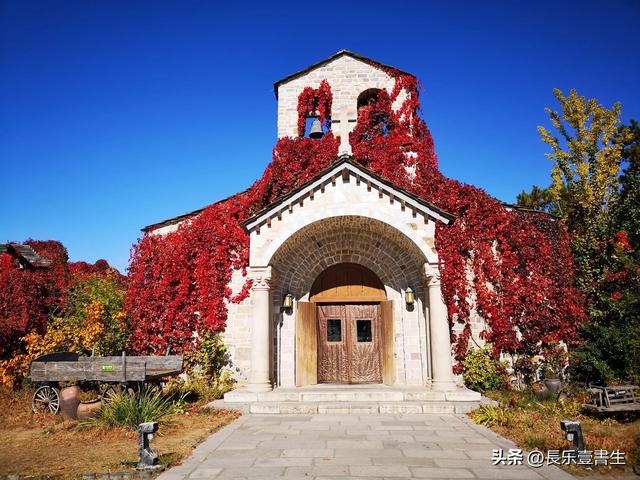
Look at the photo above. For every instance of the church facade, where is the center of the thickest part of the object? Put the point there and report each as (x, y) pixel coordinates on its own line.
(346, 286)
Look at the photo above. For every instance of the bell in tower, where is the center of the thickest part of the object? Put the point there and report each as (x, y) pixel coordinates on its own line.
(316, 129)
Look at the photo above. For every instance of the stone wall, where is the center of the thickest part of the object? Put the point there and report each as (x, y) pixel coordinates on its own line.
(237, 334)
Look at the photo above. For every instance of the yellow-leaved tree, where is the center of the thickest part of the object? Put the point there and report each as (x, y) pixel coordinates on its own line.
(586, 150)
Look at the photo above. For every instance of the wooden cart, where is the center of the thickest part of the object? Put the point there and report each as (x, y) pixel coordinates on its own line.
(103, 373)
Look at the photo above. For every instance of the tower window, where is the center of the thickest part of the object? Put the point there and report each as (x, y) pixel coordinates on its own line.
(374, 110)
(368, 97)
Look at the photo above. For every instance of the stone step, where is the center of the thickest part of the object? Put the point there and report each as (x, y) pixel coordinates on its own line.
(356, 400)
(362, 408)
(354, 396)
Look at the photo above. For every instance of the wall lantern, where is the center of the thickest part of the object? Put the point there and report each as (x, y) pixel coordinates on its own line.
(287, 302)
(409, 296)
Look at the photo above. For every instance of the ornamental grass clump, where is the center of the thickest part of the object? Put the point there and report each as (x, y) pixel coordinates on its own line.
(491, 415)
(128, 409)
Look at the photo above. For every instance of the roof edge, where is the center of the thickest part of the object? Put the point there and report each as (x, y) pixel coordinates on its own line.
(330, 58)
(341, 160)
(529, 210)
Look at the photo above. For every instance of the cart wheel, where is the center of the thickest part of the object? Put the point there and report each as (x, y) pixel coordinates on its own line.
(96, 395)
(46, 399)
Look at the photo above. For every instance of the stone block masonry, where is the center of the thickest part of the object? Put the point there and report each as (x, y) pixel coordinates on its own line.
(348, 77)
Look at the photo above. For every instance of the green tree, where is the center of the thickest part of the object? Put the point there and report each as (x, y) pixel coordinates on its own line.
(611, 345)
(600, 208)
(626, 209)
(538, 199)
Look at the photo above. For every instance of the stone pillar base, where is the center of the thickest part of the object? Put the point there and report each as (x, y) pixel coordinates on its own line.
(259, 387)
(444, 386)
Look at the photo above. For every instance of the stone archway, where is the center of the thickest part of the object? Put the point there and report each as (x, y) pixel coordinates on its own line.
(376, 245)
(370, 243)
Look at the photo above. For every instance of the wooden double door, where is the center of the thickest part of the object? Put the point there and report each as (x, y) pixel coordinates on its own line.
(344, 343)
(349, 343)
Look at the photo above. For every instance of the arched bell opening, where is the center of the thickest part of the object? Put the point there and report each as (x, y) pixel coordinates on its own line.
(368, 97)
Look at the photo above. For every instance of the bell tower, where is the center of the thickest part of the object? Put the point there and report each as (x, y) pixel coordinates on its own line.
(352, 79)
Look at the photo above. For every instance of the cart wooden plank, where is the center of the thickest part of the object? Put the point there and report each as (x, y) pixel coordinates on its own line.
(107, 369)
(88, 371)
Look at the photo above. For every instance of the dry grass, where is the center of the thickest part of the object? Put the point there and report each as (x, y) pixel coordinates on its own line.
(42, 445)
(535, 424)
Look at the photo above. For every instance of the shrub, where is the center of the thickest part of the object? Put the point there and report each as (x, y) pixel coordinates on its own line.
(198, 389)
(128, 409)
(209, 359)
(535, 441)
(490, 415)
(206, 377)
(93, 318)
(482, 372)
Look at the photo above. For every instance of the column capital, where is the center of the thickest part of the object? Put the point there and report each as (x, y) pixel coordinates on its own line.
(431, 275)
(262, 277)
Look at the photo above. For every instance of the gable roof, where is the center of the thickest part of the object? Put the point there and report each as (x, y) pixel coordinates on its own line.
(339, 54)
(346, 165)
(25, 254)
(338, 166)
(183, 216)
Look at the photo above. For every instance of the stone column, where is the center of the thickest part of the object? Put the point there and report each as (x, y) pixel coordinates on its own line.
(441, 364)
(259, 378)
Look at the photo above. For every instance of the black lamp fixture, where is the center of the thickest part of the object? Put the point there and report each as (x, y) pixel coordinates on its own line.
(409, 296)
(287, 301)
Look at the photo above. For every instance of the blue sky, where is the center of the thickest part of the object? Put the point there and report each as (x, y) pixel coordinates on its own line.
(117, 114)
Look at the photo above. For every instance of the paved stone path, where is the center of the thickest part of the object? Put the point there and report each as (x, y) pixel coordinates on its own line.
(350, 446)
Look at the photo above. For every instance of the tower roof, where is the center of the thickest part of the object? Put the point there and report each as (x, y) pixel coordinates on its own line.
(329, 59)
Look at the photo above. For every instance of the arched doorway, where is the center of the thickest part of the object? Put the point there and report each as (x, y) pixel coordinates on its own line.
(349, 320)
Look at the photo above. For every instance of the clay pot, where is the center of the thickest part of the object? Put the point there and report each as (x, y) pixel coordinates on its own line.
(542, 394)
(553, 385)
(69, 401)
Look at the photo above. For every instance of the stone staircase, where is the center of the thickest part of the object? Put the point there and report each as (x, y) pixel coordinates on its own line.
(356, 399)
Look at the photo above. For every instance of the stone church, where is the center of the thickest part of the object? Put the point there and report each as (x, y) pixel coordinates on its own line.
(346, 288)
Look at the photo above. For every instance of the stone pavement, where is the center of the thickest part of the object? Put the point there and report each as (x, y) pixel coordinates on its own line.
(335, 447)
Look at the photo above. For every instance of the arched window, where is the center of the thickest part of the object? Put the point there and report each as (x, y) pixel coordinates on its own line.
(368, 97)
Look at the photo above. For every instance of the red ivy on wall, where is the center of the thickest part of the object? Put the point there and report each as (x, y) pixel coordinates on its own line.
(314, 102)
(519, 263)
(179, 283)
(514, 268)
(29, 294)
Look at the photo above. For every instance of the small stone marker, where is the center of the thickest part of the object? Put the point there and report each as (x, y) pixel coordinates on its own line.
(573, 431)
(148, 458)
